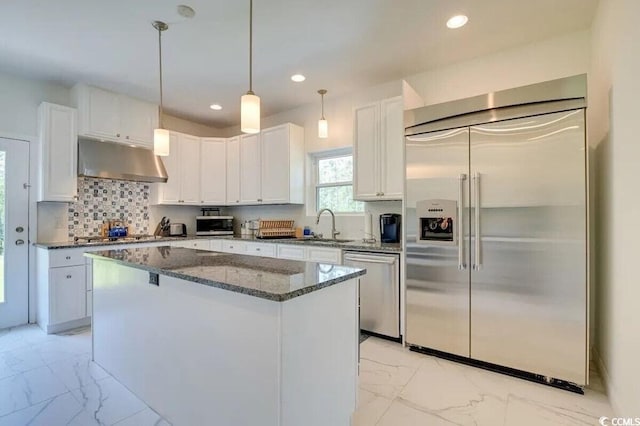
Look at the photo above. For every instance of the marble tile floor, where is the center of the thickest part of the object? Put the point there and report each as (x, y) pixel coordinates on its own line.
(403, 388)
(50, 380)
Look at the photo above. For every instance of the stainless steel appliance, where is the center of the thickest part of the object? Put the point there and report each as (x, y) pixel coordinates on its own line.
(496, 230)
(390, 227)
(214, 225)
(379, 291)
(177, 230)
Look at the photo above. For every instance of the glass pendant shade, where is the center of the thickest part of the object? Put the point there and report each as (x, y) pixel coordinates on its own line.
(323, 128)
(250, 113)
(161, 142)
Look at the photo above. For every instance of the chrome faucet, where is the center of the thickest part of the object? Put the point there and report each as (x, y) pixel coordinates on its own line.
(333, 222)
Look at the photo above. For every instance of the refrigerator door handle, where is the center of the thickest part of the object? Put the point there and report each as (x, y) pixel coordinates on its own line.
(461, 265)
(477, 264)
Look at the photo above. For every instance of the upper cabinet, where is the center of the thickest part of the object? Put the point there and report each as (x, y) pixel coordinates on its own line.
(183, 170)
(213, 171)
(114, 117)
(282, 165)
(378, 150)
(263, 168)
(58, 156)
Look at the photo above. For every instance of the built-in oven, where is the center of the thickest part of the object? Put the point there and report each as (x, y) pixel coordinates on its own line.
(214, 225)
(437, 221)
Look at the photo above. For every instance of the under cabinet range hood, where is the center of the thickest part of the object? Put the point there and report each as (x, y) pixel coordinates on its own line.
(114, 161)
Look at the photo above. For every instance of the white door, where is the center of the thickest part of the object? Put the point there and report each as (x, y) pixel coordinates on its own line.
(103, 116)
(250, 155)
(275, 164)
(233, 170)
(138, 120)
(170, 191)
(190, 169)
(366, 137)
(391, 148)
(213, 171)
(14, 240)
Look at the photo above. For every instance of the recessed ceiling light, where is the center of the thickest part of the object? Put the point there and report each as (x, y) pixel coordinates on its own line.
(215, 107)
(457, 21)
(298, 78)
(186, 11)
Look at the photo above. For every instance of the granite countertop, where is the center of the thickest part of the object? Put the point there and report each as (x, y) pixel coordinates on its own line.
(357, 245)
(272, 279)
(71, 244)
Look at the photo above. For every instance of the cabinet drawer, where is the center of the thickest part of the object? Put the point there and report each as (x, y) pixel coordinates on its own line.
(66, 257)
(261, 249)
(229, 246)
(215, 245)
(67, 294)
(291, 252)
(324, 255)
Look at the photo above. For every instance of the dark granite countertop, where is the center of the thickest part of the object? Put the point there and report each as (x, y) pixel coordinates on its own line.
(71, 244)
(357, 245)
(272, 279)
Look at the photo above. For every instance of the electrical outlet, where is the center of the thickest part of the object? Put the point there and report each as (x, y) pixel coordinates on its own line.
(154, 278)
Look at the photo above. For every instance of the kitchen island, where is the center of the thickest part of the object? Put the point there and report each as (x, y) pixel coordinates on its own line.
(226, 339)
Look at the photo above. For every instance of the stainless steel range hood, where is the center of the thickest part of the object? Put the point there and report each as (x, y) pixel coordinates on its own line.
(114, 161)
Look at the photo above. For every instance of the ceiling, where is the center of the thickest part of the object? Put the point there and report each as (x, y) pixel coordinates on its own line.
(340, 45)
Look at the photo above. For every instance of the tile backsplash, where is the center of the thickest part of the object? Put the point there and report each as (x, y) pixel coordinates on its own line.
(104, 199)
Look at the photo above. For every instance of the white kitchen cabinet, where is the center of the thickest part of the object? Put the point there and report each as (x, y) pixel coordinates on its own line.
(213, 171)
(250, 169)
(324, 255)
(261, 249)
(233, 246)
(378, 150)
(114, 117)
(282, 165)
(215, 245)
(58, 155)
(292, 252)
(68, 294)
(233, 170)
(199, 244)
(183, 170)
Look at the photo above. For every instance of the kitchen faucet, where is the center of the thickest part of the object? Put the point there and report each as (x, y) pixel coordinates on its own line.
(333, 222)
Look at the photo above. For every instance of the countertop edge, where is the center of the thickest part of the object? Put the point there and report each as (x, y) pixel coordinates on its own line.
(230, 287)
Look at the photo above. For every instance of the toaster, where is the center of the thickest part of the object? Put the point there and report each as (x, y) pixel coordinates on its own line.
(177, 230)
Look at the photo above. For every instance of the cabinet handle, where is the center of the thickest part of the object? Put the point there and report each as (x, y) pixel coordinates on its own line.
(259, 200)
(68, 277)
(258, 249)
(382, 193)
(68, 257)
(127, 137)
(118, 135)
(237, 201)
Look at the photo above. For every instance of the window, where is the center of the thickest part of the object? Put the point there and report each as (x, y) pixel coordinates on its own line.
(334, 184)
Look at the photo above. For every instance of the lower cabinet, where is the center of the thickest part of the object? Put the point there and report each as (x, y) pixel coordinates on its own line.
(67, 290)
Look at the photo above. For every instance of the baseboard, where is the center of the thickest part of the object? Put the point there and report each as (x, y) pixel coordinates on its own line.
(69, 325)
(606, 381)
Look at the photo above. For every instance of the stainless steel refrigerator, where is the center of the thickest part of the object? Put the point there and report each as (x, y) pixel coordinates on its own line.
(496, 230)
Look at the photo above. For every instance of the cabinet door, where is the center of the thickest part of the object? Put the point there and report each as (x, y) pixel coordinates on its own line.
(275, 165)
(58, 153)
(67, 294)
(365, 153)
(189, 169)
(250, 175)
(102, 115)
(138, 119)
(170, 191)
(213, 171)
(233, 170)
(391, 148)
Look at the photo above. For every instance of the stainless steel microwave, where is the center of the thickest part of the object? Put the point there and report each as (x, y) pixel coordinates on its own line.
(214, 225)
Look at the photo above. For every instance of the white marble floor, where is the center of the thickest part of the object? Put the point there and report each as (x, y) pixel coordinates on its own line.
(50, 380)
(403, 388)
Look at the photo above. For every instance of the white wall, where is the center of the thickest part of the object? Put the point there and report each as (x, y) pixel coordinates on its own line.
(614, 88)
(549, 59)
(189, 127)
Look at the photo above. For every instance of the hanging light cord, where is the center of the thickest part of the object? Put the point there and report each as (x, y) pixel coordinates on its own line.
(160, 60)
(250, 92)
(322, 107)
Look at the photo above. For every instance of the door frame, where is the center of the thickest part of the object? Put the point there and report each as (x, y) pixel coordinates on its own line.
(32, 224)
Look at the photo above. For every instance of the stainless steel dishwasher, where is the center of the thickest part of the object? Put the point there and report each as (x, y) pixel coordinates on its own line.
(379, 291)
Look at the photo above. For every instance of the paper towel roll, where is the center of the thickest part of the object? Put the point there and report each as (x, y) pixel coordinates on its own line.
(368, 226)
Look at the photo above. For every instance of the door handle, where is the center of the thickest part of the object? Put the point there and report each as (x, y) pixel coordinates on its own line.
(476, 186)
(19, 242)
(461, 265)
(19, 229)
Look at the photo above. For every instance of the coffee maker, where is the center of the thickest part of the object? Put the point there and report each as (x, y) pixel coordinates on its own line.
(390, 227)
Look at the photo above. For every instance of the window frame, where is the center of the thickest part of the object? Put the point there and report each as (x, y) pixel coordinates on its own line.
(315, 178)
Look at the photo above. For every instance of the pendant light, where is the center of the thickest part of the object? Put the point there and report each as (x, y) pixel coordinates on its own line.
(250, 103)
(323, 125)
(161, 138)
